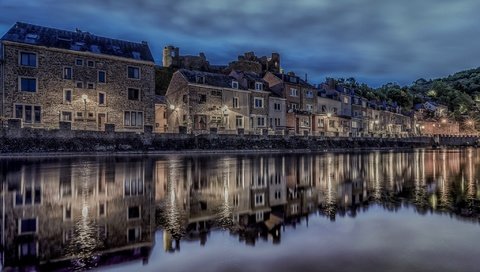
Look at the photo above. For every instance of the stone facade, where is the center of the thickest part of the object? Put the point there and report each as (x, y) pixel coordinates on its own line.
(85, 88)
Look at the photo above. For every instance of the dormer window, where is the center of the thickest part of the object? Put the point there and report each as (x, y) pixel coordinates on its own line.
(234, 84)
(258, 86)
(200, 79)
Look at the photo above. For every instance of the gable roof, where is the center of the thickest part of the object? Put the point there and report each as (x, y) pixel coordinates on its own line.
(79, 41)
(211, 79)
(293, 80)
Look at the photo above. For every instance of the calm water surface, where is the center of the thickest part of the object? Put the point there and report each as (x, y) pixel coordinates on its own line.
(375, 211)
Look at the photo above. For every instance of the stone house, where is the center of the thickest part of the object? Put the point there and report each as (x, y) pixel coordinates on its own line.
(259, 98)
(51, 75)
(328, 107)
(202, 101)
(276, 113)
(300, 99)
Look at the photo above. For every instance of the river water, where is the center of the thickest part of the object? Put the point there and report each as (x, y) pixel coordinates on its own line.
(377, 211)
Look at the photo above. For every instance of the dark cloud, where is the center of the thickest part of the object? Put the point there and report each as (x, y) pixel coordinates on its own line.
(379, 41)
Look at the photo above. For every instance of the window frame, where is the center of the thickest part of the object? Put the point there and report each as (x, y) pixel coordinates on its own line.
(27, 77)
(139, 94)
(65, 96)
(130, 118)
(65, 74)
(255, 99)
(20, 220)
(79, 65)
(104, 77)
(27, 52)
(104, 104)
(32, 121)
(128, 72)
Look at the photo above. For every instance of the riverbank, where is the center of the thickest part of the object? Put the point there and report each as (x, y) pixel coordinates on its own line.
(35, 141)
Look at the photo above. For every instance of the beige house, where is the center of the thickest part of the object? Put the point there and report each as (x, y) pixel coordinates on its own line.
(201, 101)
(51, 75)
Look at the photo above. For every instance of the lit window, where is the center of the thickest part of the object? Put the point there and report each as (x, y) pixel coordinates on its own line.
(28, 59)
(133, 72)
(133, 119)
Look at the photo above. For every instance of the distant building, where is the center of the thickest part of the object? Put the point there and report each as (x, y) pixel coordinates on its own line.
(51, 75)
(172, 58)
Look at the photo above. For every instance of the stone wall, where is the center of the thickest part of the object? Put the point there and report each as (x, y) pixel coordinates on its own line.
(86, 112)
(29, 140)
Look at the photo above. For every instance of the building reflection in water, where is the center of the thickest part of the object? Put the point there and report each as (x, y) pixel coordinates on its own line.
(85, 213)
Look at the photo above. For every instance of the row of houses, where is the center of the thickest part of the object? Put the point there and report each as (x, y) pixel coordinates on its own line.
(50, 76)
(274, 103)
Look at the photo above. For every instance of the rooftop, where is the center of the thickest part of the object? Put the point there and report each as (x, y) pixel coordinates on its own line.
(77, 41)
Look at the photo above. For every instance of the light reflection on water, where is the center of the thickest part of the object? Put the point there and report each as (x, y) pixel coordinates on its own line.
(154, 212)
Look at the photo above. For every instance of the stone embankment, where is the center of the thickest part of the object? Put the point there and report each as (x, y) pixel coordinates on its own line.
(26, 140)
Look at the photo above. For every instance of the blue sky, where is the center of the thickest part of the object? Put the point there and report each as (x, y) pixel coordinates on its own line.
(375, 41)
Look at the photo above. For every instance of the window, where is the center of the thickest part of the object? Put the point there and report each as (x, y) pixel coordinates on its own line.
(67, 73)
(234, 84)
(90, 85)
(321, 123)
(102, 77)
(67, 212)
(79, 62)
(66, 116)
(102, 99)
(235, 103)
(200, 79)
(354, 124)
(202, 99)
(133, 212)
(28, 84)
(30, 194)
(133, 72)
(133, 94)
(216, 93)
(294, 106)
(102, 210)
(258, 102)
(331, 123)
(26, 226)
(133, 184)
(67, 96)
(278, 194)
(277, 107)
(258, 86)
(345, 100)
(294, 208)
(309, 94)
(27, 249)
(90, 63)
(259, 216)
(28, 113)
(293, 92)
(260, 121)
(28, 59)
(259, 199)
(79, 84)
(216, 119)
(133, 119)
(309, 107)
(79, 114)
(239, 121)
(134, 234)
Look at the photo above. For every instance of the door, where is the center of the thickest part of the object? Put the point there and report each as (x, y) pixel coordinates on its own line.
(102, 118)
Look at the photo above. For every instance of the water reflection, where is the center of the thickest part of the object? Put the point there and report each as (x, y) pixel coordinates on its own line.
(83, 213)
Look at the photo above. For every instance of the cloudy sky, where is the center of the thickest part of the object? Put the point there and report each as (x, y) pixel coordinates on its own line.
(375, 41)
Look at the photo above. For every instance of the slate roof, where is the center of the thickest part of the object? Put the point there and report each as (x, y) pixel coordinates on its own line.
(212, 79)
(293, 80)
(77, 41)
